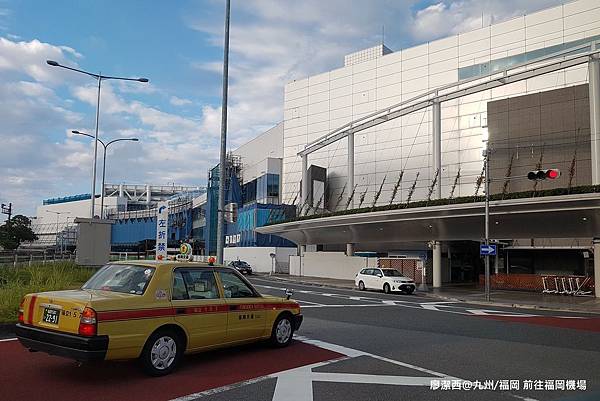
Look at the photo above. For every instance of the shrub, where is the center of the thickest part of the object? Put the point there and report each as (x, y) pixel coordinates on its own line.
(16, 282)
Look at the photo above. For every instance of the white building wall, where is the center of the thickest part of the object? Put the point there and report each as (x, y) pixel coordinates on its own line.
(334, 265)
(316, 105)
(260, 155)
(259, 257)
(47, 214)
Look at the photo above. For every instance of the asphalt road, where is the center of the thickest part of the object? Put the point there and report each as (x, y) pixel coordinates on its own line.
(352, 346)
(458, 340)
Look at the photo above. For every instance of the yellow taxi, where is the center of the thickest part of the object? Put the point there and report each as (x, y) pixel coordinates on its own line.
(156, 312)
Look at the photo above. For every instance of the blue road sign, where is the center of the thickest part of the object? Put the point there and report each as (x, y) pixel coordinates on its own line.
(487, 250)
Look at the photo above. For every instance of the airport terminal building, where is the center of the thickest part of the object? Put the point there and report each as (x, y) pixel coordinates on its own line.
(418, 122)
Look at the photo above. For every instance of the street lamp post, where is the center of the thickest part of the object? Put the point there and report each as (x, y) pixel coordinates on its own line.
(222, 158)
(99, 78)
(105, 146)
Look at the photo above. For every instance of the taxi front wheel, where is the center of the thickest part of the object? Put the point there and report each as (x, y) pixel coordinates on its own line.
(282, 332)
(162, 353)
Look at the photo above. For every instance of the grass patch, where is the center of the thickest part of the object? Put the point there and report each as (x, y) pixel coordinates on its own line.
(16, 282)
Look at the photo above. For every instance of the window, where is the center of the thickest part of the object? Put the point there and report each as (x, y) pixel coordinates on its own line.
(391, 273)
(194, 284)
(273, 185)
(130, 279)
(377, 272)
(235, 287)
(363, 271)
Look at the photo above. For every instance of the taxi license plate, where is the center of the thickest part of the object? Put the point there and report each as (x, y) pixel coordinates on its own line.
(51, 316)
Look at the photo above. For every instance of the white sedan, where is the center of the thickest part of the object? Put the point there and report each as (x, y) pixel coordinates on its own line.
(388, 280)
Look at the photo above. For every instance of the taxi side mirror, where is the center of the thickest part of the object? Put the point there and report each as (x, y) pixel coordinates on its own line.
(288, 293)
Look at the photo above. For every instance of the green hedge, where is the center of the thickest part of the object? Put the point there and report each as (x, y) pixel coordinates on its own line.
(585, 189)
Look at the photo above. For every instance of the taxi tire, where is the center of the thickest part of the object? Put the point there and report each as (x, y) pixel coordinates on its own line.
(386, 288)
(273, 340)
(361, 285)
(146, 352)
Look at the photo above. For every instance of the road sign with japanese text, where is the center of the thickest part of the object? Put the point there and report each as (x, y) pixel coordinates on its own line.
(162, 230)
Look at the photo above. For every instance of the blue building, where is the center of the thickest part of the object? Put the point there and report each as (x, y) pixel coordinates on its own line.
(253, 182)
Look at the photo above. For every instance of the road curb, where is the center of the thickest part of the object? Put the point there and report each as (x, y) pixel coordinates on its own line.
(448, 298)
(511, 305)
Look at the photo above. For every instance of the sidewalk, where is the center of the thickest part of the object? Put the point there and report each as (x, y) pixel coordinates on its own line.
(475, 295)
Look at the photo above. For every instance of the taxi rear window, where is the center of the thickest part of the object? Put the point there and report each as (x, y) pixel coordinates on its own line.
(129, 279)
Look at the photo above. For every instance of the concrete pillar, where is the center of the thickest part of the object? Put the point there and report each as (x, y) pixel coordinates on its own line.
(436, 120)
(350, 168)
(594, 91)
(437, 264)
(121, 192)
(496, 261)
(349, 249)
(304, 190)
(302, 250)
(148, 192)
(597, 266)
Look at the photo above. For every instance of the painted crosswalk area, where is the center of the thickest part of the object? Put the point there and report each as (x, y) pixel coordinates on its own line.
(310, 297)
(347, 374)
(329, 299)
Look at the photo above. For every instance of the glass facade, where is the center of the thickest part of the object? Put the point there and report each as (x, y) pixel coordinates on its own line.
(264, 190)
(506, 62)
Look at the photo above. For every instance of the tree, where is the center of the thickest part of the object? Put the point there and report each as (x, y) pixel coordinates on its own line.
(16, 231)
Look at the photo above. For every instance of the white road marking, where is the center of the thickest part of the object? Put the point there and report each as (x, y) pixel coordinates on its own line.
(309, 303)
(371, 379)
(297, 384)
(343, 305)
(524, 398)
(435, 306)
(8, 339)
(207, 393)
(487, 312)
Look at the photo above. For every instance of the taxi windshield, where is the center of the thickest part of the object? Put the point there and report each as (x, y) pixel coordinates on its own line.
(130, 279)
(391, 273)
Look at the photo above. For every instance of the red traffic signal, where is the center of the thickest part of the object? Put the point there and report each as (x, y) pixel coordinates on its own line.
(550, 174)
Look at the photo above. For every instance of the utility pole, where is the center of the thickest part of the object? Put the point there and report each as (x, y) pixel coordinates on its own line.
(487, 221)
(222, 161)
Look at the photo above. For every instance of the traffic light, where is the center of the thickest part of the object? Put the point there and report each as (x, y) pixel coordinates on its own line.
(538, 175)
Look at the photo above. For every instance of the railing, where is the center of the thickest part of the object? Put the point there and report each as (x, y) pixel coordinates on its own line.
(20, 258)
(567, 285)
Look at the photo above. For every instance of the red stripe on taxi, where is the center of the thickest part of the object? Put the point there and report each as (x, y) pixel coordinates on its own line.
(108, 316)
(135, 314)
(31, 309)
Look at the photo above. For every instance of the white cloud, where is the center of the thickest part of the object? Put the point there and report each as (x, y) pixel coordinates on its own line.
(30, 58)
(274, 42)
(177, 101)
(46, 160)
(452, 17)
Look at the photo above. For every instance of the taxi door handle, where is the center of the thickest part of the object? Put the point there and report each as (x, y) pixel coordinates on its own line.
(233, 307)
(180, 311)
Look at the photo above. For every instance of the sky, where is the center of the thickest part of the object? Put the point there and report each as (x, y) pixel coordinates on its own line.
(178, 46)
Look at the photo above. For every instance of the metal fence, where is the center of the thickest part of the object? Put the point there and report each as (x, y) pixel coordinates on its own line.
(29, 257)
